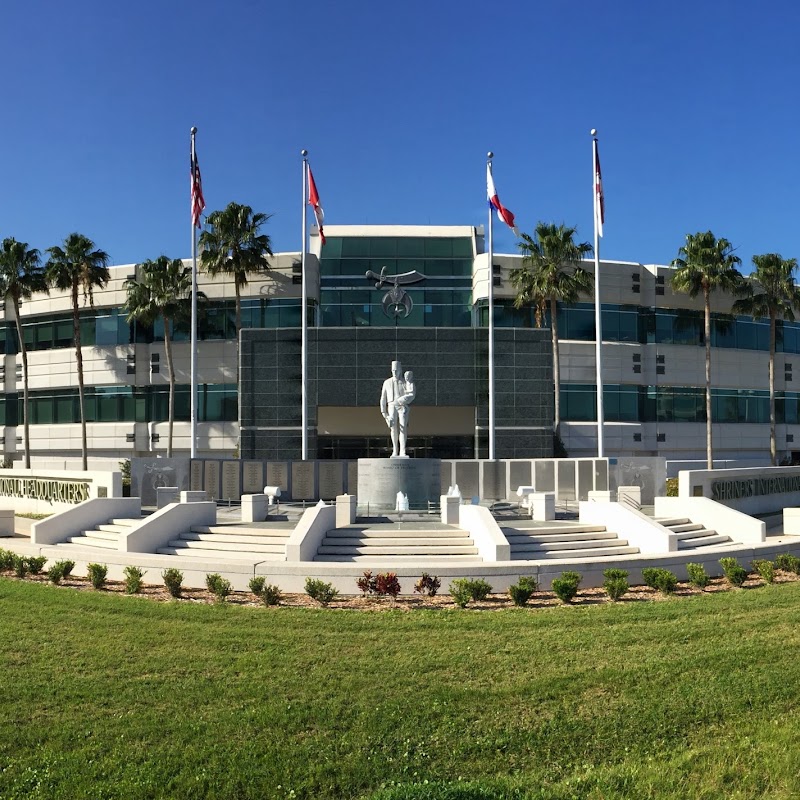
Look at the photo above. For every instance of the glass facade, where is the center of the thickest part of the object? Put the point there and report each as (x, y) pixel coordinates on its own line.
(443, 298)
(633, 403)
(217, 403)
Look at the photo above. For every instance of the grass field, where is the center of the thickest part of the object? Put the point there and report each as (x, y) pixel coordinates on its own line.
(106, 696)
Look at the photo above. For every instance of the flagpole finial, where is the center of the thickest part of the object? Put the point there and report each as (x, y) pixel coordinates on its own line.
(304, 153)
(490, 154)
(193, 131)
(593, 132)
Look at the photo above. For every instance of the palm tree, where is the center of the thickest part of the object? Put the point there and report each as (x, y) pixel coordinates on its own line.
(232, 245)
(21, 274)
(551, 274)
(77, 267)
(771, 293)
(163, 289)
(705, 265)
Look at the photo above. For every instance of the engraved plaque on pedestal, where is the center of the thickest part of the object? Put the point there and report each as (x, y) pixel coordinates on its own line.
(352, 477)
(303, 480)
(230, 480)
(196, 476)
(331, 483)
(277, 475)
(212, 479)
(252, 477)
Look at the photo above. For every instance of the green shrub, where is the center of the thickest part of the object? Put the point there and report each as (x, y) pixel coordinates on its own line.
(60, 570)
(6, 560)
(460, 592)
(220, 587)
(734, 572)
(479, 589)
(672, 487)
(697, 575)
(133, 579)
(36, 564)
(257, 585)
(271, 595)
(788, 563)
(615, 583)
(522, 591)
(766, 569)
(322, 592)
(428, 584)
(20, 566)
(660, 579)
(566, 587)
(97, 575)
(173, 578)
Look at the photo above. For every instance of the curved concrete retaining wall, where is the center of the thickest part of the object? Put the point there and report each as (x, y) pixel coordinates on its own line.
(85, 516)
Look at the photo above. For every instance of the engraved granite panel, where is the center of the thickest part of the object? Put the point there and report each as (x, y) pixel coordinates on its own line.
(231, 471)
(303, 487)
(252, 477)
(331, 480)
(211, 479)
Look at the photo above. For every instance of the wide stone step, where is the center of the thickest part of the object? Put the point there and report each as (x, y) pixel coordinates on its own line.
(91, 541)
(686, 527)
(574, 554)
(213, 555)
(99, 533)
(395, 542)
(704, 541)
(583, 544)
(391, 550)
(126, 522)
(695, 533)
(240, 530)
(515, 537)
(114, 530)
(396, 533)
(224, 539)
(538, 529)
(668, 522)
(422, 560)
(228, 548)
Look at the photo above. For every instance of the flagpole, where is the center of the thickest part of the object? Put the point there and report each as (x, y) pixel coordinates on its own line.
(193, 365)
(598, 327)
(490, 292)
(304, 321)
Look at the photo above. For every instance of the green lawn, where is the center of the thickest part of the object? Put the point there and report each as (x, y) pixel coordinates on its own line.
(110, 696)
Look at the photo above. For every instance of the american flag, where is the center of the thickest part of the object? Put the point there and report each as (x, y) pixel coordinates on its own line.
(313, 201)
(198, 202)
(600, 205)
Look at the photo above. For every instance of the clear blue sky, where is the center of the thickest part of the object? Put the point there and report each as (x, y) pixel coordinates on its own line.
(696, 104)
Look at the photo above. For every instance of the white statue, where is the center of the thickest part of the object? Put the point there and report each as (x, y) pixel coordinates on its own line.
(397, 394)
(401, 502)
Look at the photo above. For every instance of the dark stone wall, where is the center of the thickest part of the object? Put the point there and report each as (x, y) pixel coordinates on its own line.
(347, 366)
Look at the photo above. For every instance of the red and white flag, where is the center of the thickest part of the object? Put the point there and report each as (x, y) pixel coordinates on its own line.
(198, 202)
(494, 202)
(599, 200)
(313, 201)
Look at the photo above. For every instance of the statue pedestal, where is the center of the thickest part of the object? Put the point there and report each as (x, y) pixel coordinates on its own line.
(380, 479)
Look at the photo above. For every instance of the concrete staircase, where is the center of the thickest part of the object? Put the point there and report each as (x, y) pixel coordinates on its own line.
(397, 543)
(692, 535)
(231, 541)
(538, 541)
(104, 537)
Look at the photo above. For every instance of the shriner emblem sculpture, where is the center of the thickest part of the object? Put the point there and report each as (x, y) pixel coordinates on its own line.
(397, 394)
(396, 302)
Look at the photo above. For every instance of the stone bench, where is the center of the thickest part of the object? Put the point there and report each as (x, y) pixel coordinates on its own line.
(6, 521)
